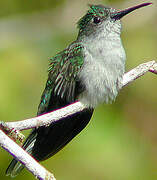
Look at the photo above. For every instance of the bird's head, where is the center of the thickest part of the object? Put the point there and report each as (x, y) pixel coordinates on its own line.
(100, 18)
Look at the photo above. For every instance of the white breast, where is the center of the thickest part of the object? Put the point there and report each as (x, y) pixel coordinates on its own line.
(102, 72)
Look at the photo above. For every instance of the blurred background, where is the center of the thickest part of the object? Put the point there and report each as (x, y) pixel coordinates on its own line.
(120, 143)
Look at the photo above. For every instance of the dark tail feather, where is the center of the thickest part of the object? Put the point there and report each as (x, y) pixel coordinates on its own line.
(15, 167)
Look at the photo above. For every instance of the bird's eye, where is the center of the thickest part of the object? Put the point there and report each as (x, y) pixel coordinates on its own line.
(96, 20)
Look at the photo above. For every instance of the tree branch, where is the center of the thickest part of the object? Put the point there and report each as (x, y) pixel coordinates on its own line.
(47, 119)
(139, 71)
(30, 163)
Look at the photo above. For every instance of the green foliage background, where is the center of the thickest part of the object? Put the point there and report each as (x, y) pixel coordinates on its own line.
(120, 143)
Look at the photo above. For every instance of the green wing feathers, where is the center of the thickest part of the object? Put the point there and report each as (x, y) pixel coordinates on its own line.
(62, 78)
(64, 69)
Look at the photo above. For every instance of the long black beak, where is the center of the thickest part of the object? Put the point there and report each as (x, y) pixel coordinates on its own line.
(120, 14)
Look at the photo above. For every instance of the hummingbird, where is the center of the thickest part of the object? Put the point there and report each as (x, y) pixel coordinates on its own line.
(89, 70)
